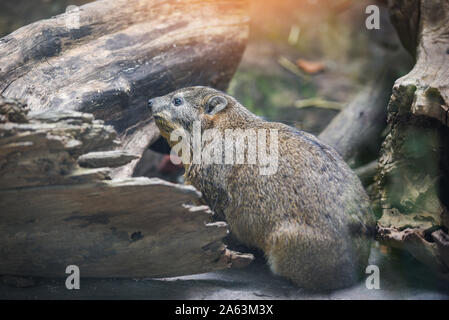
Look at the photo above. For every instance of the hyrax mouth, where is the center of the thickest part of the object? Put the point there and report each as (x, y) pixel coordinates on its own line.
(157, 118)
(165, 127)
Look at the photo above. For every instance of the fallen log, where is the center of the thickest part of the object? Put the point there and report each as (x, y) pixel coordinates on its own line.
(413, 166)
(66, 192)
(110, 56)
(54, 213)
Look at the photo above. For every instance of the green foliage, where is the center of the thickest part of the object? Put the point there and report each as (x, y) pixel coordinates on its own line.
(266, 94)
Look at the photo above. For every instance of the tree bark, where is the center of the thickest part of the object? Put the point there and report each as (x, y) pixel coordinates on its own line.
(413, 167)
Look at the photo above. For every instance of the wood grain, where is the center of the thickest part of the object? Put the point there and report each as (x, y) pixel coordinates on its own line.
(122, 53)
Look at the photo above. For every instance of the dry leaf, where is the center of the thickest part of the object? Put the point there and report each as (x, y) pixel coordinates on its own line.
(310, 67)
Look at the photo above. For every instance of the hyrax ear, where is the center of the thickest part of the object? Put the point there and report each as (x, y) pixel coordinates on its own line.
(215, 104)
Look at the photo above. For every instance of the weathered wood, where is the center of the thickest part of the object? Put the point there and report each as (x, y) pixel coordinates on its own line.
(413, 166)
(43, 150)
(427, 82)
(100, 159)
(120, 54)
(138, 227)
(53, 213)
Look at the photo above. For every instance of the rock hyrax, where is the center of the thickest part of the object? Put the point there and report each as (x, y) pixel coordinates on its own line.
(311, 217)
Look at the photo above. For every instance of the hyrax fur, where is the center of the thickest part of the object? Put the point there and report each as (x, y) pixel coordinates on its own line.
(311, 218)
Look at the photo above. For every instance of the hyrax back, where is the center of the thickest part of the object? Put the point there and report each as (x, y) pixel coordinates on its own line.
(311, 217)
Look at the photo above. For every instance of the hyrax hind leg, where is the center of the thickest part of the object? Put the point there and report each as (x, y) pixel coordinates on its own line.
(312, 260)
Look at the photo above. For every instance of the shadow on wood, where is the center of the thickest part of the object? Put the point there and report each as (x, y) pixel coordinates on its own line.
(110, 56)
(85, 77)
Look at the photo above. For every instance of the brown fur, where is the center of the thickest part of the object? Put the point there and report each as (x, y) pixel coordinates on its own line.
(311, 218)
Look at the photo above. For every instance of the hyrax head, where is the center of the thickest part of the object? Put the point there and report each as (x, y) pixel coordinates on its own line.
(181, 108)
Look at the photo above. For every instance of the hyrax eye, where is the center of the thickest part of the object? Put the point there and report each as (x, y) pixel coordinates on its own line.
(177, 101)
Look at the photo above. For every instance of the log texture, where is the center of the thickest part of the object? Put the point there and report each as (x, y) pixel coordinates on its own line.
(54, 213)
(110, 56)
(68, 151)
(413, 167)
